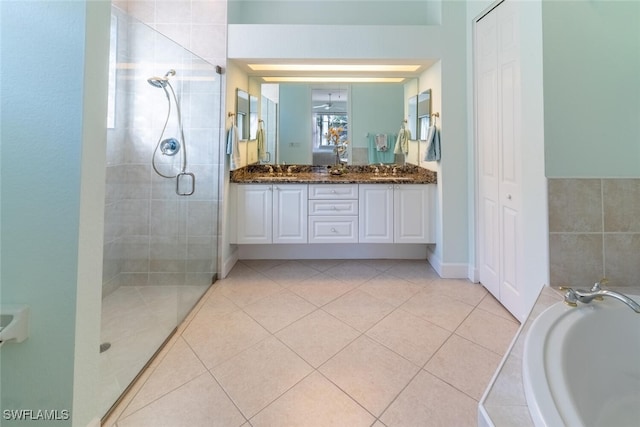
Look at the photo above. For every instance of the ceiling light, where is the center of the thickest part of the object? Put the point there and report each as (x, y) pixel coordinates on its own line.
(333, 79)
(335, 67)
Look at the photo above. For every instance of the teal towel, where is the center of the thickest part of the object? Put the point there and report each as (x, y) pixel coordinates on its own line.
(375, 156)
(433, 145)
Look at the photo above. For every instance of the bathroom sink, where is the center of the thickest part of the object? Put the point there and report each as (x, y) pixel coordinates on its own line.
(391, 178)
(277, 178)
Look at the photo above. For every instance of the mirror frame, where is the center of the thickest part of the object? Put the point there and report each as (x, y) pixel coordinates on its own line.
(423, 114)
(242, 114)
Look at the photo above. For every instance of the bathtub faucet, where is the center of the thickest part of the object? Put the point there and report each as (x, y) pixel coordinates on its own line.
(572, 296)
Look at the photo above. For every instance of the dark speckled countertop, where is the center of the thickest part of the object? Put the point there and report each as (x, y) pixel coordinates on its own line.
(305, 174)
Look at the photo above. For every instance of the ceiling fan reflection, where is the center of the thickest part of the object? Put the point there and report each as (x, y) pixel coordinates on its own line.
(326, 106)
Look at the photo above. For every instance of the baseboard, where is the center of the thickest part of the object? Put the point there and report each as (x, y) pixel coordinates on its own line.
(228, 263)
(447, 270)
(334, 251)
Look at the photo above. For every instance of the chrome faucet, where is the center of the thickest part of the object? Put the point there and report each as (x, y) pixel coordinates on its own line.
(290, 169)
(572, 296)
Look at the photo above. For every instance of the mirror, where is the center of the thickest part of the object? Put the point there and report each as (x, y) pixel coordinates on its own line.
(412, 116)
(246, 115)
(423, 114)
(253, 117)
(330, 131)
(368, 110)
(269, 113)
(242, 114)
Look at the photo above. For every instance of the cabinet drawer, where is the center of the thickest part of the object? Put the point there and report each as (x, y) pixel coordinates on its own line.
(333, 229)
(333, 191)
(333, 207)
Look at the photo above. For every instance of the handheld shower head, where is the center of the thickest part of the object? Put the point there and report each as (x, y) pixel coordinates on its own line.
(161, 82)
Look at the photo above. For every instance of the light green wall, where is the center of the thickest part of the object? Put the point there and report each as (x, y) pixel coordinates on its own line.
(294, 124)
(375, 108)
(592, 88)
(51, 123)
(343, 12)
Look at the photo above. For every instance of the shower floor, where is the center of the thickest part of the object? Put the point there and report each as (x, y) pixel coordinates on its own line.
(135, 321)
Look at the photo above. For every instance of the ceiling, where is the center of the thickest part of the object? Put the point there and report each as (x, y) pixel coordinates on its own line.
(422, 65)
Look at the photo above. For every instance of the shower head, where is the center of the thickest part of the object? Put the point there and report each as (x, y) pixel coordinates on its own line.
(161, 82)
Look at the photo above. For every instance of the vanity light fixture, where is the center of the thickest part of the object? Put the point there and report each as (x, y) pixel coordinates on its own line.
(336, 67)
(333, 79)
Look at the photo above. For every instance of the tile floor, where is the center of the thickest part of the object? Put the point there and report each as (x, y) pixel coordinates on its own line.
(326, 343)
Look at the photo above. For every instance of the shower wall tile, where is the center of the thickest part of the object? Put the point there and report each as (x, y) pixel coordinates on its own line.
(621, 205)
(201, 218)
(133, 215)
(166, 219)
(152, 235)
(180, 33)
(144, 10)
(135, 184)
(575, 205)
(167, 254)
(173, 12)
(622, 262)
(134, 279)
(166, 279)
(209, 12)
(203, 150)
(201, 36)
(201, 251)
(581, 252)
(576, 259)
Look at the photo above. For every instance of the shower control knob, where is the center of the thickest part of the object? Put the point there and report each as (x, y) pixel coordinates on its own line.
(170, 147)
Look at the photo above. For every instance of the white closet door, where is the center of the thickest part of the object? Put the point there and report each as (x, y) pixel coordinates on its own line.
(510, 153)
(488, 152)
(499, 138)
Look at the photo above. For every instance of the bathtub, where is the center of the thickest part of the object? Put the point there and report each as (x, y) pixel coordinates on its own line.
(581, 366)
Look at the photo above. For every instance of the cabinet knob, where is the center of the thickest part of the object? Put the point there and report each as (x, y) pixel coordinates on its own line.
(334, 208)
(333, 230)
(508, 196)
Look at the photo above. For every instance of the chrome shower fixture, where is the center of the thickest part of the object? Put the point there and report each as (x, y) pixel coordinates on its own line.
(161, 82)
(169, 146)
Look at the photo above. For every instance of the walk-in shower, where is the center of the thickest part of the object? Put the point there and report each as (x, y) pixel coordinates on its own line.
(160, 245)
(185, 181)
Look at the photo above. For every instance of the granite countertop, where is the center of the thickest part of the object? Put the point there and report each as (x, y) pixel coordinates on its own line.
(305, 174)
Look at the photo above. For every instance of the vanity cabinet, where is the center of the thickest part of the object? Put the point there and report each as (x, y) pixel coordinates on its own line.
(333, 213)
(271, 213)
(396, 213)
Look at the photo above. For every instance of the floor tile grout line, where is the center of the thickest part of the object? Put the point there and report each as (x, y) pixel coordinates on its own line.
(347, 394)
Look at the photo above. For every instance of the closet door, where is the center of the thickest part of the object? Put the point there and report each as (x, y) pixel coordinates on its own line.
(498, 121)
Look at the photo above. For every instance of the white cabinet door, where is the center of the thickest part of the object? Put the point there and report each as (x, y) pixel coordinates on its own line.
(413, 217)
(254, 213)
(375, 213)
(290, 213)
